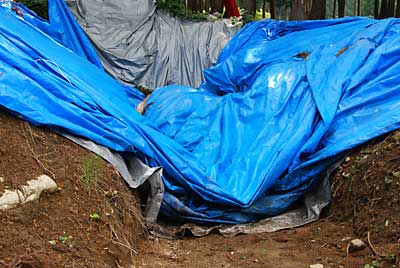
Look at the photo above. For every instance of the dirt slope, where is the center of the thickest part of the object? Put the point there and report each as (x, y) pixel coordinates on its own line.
(366, 189)
(93, 219)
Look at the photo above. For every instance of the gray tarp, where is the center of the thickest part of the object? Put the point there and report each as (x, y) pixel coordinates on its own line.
(140, 45)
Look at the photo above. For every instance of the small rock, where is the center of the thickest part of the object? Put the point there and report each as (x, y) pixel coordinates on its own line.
(356, 244)
(388, 180)
(338, 246)
(2, 179)
(27, 193)
(346, 175)
(347, 238)
(396, 174)
(318, 265)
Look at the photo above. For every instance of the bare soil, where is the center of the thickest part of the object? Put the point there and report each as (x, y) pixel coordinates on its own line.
(60, 230)
(92, 221)
(366, 190)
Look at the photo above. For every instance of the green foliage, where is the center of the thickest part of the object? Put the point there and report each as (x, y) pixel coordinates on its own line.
(391, 258)
(94, 216)
(64, 238)
(178, 9)
(91, 168)
(175, 7)
(39, 6)
(388, 262)
(258, 15)
(246, 17)
(373, 264)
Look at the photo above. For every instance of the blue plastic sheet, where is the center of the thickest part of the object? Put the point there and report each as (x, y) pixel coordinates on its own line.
(63, 28)
(284, 102)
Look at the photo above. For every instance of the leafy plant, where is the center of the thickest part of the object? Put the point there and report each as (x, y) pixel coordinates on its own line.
(386, 261)
(64, 238)
(373, 264)
(175, 7)
(94, 216)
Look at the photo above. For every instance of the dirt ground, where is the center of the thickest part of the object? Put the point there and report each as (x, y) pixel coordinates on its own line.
(366, 189)
(322, 242)
(93, 220)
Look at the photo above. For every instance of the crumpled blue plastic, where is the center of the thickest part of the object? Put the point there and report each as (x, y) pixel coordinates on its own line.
(62, 27)
(284, 102)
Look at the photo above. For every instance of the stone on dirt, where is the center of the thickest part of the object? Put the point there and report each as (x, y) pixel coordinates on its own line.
(356, 244)
(27, 193)
(318, 265)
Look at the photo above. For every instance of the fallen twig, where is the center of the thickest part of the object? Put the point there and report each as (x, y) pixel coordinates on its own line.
(123, 245)
(393, 158)
(34, 156)
(347, 254)
(372, 247)
(117, 263)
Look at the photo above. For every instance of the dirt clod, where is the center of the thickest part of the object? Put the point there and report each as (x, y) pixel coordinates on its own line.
(34, 260)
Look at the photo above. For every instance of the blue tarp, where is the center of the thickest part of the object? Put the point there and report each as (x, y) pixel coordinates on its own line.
(63, 28)
(284, 102)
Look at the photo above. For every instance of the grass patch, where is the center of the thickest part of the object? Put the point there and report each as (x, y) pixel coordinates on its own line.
(92, 165)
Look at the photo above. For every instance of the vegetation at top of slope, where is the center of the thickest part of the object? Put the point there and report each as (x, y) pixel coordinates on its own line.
(40, 7)
(177, 8)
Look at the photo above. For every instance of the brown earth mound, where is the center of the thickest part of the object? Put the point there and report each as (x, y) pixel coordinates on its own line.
(93, 220)
(366, 190)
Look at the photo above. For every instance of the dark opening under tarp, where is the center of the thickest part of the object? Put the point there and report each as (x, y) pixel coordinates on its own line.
(285, 102)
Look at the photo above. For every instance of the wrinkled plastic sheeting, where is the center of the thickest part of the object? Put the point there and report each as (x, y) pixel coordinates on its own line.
(307, 210)
(285, 100)
(282, 106)
(63, 28)
(136, 174)
(140, 45)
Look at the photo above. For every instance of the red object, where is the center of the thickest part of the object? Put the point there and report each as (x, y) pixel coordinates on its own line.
(232, 9)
